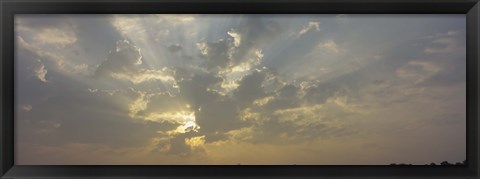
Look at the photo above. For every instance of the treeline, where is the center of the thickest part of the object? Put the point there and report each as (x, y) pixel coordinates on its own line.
(442, 163)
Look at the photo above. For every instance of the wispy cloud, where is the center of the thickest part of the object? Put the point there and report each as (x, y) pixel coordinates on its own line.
(312, 26)
(41, 72)
(330, 47)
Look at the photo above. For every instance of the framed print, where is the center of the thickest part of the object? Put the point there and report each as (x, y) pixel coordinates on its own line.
(239, 89)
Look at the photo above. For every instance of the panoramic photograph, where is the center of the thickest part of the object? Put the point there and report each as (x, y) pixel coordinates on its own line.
(240, 89)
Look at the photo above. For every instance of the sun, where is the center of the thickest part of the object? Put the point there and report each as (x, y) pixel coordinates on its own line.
(187, 127)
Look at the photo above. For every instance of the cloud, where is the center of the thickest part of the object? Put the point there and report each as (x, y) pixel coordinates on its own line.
(148, 105)
(195, 142)
(138, 105)
(186, 145)
(296, 125)
(35, 49)
(287, 96)
(49, 39)
(236, 37)
(195, 89)
(250, 36)
(418, 71)
(174, 48)
(289, 114)
(232, 75)
(215, 114)
(47, 30)
(234, 58)
(48, 126)
(312, 26)
(26, 107)
(258, 32)
(178, 146)
(443, 43)
(185, 118)
(176, 19)
(41, 72)
(124, 63)
(105, 117)
(216, 54)
(145, 30)
(124, 59)
(129, 27)
(250, 88)
(195, 108)
(332, 114)
(55, 36)
(319, 93)
(145, 75)
(342, 18)
(330, 47)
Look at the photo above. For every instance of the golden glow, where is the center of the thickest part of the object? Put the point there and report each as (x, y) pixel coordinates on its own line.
(56, 36)
(262, 101)
(237, 38)
(346, 104)
(203, 48)
(229, 85)
(304, 115)
(330, 47)
(242, 133)
(186, 119)
(138, 105)
(248, 114)
(195, 141)
(146, 75)
(178, 116)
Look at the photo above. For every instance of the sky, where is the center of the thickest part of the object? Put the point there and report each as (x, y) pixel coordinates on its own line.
(168, 89)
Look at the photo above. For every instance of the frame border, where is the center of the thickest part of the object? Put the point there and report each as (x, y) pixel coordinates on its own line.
(8, 8)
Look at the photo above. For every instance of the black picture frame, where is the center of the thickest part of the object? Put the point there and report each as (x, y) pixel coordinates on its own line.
(9, 8)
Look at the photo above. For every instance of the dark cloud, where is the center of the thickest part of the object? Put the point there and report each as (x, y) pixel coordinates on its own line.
(288, 92)
(195, 90)
(164, 102)
(287, 97)
(125, 63)
(275, 131)
(178, 145)
(174, 48)
(217, 113)
(216, 54)
(320, 93)
(43, 21)
(250, 88)
(124, 59)
(218, 116)
(249, 37)
(258, 32)
(86, 118)
(255, 33)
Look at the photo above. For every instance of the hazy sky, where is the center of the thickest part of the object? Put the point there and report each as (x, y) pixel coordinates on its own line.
(249, 89)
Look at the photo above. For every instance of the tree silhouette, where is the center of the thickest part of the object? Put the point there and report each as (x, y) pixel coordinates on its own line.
(444, 163)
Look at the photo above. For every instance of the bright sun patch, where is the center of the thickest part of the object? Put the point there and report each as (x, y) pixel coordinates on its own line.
(195, 141)
(187, 127)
